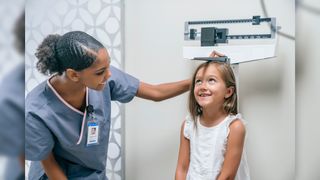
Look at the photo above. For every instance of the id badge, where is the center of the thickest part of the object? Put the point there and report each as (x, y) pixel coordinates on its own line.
(93, 133)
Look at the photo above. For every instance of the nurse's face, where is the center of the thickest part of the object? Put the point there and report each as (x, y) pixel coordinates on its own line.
(96, 76)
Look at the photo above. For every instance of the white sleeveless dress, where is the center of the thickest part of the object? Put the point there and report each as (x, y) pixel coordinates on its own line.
(207, 149)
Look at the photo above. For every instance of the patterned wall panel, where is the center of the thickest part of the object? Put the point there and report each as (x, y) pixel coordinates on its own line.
(99, 18)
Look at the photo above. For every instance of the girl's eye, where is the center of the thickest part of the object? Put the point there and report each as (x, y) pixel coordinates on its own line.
(211, 80)
(198, 82)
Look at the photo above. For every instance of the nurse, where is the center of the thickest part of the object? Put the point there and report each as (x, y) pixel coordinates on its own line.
(68, 115)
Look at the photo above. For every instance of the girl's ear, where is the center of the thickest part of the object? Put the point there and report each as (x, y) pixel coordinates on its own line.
(229, 92)
(72, 75)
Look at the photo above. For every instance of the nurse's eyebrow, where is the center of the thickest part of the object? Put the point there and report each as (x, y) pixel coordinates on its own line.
(101, 69)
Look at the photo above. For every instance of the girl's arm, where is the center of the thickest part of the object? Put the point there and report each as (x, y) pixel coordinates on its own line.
(234, 151)
(162, 91)
(184, 157)
(52, 168)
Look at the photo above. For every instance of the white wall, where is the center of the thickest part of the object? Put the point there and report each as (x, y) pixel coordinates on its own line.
(308, 88)
(153, 53)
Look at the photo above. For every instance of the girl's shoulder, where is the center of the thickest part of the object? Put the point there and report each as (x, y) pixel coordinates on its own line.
(236, 117)
(188, 126)
(236, 123)
(189, 118)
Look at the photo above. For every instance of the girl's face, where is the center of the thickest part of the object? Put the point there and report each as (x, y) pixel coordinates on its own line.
(96, 76)
(210, 89)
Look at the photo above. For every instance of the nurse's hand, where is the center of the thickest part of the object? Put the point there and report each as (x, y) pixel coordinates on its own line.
(216, 54)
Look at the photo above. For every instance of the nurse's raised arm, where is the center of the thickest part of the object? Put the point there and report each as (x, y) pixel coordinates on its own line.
(166, 90)
(162, 91)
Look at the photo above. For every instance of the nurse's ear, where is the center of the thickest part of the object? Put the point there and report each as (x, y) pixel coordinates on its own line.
(72, 75)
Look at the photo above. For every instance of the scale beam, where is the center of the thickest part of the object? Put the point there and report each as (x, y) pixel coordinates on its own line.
(217, 39)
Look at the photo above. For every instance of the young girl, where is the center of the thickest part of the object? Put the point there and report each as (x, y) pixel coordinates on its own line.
(68, 116)
(212, 136)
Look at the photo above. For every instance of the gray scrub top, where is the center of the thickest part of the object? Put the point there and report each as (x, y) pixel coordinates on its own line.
(52, 125)
(12, 121)
(12, 113)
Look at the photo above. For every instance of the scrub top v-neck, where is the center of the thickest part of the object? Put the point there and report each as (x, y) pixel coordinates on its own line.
(53, 125)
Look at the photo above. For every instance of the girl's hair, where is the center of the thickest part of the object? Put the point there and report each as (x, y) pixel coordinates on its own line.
(230, 104)
(76, 50)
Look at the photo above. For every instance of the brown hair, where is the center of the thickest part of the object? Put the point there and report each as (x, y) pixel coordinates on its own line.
(230, 104)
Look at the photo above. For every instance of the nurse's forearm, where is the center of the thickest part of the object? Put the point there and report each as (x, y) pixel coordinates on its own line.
(162, 91)
(52, 168)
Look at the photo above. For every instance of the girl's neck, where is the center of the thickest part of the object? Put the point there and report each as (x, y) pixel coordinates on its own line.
(71, 92)
(212, 116)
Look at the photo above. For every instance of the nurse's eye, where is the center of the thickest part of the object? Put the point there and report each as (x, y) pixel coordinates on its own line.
(198, 82)
(100, 73)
